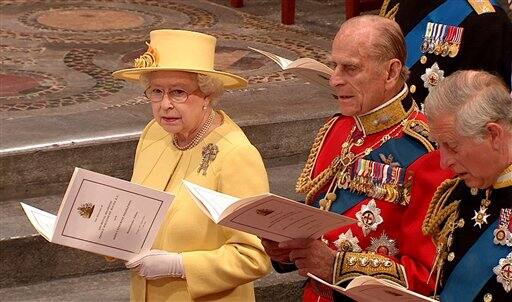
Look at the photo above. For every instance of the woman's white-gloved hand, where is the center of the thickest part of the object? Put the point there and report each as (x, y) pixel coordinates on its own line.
(158, 264)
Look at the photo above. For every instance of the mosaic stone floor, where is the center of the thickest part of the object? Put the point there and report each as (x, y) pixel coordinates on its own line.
(58, 54)
(57, 57)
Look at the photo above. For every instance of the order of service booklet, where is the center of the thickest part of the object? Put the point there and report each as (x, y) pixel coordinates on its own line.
(307, 68)
(104, 215)
(367, 288)
(267, 215)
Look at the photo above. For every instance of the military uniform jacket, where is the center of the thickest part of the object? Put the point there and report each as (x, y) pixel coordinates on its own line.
(387, 187)
(486, 43)
(472, 261)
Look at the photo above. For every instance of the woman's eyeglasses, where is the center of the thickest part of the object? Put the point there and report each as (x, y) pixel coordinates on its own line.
(156, 95)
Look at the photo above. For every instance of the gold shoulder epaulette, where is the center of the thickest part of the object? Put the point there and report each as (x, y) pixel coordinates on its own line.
(482, 6)
(420, 131)
(305, 184)
(390, 14)
(440, 209)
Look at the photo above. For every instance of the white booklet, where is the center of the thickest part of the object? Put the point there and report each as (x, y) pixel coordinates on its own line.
(267, 215)
(104, 215)
(367, 288)
(307, 68)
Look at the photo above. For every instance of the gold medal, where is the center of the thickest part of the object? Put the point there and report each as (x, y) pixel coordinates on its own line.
(454, 50)
(445, 49)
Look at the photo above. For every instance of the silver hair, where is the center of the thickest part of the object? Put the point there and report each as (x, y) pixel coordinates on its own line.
(474, 98)
(386, 41)
(210, 86)
(213, 87)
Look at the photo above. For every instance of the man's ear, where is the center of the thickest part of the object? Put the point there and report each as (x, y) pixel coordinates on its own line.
(496, 134)
(393, 73)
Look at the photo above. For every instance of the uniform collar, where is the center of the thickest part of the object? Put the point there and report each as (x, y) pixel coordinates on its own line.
(505, 179)
(386, 115)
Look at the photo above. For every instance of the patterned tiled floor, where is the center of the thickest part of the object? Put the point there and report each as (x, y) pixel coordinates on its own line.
(61, 53)
(57, 57)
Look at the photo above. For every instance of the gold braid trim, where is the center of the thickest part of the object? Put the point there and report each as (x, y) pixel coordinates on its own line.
(305, 184)
(437, 211)
(440, 221)
(349, 265)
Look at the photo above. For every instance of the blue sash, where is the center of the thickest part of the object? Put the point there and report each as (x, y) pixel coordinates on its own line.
(474, 269)
(451, 12)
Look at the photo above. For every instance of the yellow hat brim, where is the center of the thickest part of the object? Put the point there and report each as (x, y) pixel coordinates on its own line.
(229, 80)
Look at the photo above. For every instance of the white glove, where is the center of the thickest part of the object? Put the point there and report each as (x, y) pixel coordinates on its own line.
(158, 264)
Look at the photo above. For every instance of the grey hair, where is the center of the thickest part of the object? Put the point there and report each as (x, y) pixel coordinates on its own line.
(386, 40)
(210, 86)
(474, 98)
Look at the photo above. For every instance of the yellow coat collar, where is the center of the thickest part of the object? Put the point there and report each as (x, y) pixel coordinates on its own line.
(157, 157)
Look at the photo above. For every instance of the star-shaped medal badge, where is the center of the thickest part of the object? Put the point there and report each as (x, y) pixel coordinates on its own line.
(347, 242)
(383, 245)
(502, 236)
(432, 76)
(368, 218)
(480, 217)
(503, 272)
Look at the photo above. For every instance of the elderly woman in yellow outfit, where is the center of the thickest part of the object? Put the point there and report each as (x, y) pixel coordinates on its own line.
(192, 257)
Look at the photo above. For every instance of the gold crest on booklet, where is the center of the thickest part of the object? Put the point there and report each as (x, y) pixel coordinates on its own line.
(86, 210)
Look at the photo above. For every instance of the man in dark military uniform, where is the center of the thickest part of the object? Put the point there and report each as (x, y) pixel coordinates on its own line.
(443, 36)
(372, 163)
(470, 217)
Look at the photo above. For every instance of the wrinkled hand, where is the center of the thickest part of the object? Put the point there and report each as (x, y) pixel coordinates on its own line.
(158, 264)
(311, 256)
(274, 252)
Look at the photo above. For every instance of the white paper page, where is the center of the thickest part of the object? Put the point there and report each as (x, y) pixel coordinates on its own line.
(216, 203)
(282, 62)
(366, 288)
(313, 71)
(277, 218)
(42, 221)
(110, 216)
(389, 294)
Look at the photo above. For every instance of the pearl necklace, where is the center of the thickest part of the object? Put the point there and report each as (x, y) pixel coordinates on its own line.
(198, 136)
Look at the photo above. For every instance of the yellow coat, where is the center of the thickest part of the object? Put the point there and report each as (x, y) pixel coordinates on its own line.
(220, 263)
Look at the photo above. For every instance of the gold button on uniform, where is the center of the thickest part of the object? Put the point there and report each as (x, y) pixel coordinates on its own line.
(412, 89)
(451, 256)
(461, 223)
(487, 297)
(423, 59)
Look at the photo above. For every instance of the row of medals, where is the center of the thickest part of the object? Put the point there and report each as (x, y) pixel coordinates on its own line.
(503, 236)
(368, 177)
(442, 39)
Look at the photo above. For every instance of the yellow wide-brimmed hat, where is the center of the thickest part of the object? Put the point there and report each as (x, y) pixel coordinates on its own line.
(179, 50)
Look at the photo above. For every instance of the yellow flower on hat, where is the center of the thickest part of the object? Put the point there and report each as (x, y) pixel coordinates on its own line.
(148, 59)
